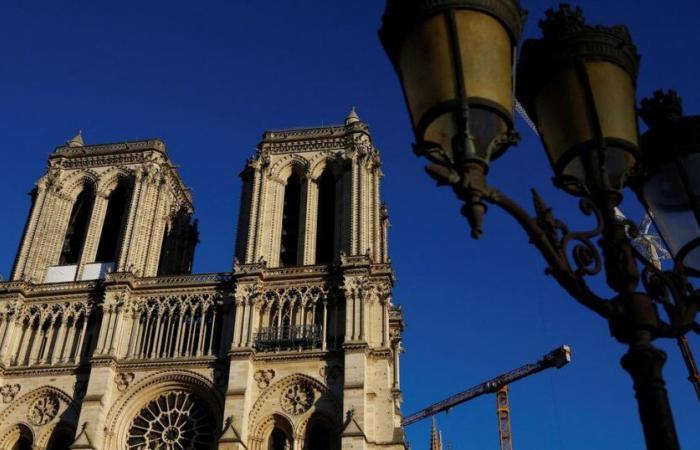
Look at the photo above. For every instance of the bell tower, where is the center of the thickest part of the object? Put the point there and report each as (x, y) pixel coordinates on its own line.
(118, 207)
(313, 302)
(310, 195)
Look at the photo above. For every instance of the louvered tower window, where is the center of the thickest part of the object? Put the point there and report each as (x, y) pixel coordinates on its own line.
(77, 226)
(289, 248)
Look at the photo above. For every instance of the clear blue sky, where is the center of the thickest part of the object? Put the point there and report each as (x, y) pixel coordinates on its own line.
(209, 77)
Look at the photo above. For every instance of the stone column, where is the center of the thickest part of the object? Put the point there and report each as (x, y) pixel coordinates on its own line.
(324, 330)
(157, 229)
(30, 234)
(126, 247)
(273, 217)
(309, 221)
(253, 238)
(94, 232)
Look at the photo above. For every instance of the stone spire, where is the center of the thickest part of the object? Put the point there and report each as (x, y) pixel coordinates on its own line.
(435, 437)
(77, 140)
(352, 117)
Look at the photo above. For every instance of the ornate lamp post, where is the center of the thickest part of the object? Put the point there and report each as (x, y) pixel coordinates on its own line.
(455, 60)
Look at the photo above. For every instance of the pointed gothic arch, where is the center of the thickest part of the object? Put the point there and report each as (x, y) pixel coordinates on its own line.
(126, 409)
(292, 215)
(78, 223)
(17, 437)
(115, 218)
(297, 398)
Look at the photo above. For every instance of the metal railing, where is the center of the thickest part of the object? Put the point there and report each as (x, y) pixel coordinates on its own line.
(287, 338)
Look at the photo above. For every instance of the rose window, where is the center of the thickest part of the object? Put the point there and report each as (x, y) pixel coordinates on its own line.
(43, 410)
(297, 398)
(174, 421)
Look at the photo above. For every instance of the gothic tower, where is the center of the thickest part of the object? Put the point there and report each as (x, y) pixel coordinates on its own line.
(107, 341)
(313, 287)
(99, 208)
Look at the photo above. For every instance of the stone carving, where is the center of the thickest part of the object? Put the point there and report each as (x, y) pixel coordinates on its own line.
(43, 410)
(175, 420)
(123, 380)
(330, 373)
(264, 377)
(297, 398)
(9, 391)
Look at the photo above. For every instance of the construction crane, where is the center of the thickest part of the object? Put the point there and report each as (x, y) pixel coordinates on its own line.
(557, 358)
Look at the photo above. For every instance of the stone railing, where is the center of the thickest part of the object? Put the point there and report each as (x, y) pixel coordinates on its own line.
(289, 338)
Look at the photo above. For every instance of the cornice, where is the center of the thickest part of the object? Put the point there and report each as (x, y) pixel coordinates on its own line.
(52, 370)
(101, 149)
(294, 140)
(180, 363)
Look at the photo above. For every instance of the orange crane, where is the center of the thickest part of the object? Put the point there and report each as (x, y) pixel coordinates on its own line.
(499, 385)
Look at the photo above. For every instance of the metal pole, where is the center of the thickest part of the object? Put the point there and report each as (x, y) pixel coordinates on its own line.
(644, 362)
(693, 375)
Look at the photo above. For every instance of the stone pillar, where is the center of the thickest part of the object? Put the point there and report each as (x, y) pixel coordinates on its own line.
(237, 404)
(94, 232)
(30, 233)
(253, 238)
(98, 398)
(309, 220)
(126, 247)
(155, 238)
(273, 218)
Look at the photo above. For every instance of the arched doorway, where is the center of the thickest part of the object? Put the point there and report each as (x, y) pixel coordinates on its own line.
(19, 437)
(281, 436)
(320, 434)
(173, 420)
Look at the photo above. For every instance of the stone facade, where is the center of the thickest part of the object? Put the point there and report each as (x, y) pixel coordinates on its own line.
(107, 341)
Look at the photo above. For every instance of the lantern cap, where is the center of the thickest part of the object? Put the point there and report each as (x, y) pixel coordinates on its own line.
(661, 108)
(566, 38)
(402, 16)
(670, 134)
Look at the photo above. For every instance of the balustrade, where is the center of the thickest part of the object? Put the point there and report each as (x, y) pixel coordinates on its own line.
(289, 337)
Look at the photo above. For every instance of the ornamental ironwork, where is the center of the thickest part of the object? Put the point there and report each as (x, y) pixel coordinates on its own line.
(176, 420)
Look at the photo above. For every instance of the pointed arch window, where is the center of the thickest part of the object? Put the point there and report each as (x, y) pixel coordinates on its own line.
(113, 228)
(325, 219)
(74, 239)
(289, 246)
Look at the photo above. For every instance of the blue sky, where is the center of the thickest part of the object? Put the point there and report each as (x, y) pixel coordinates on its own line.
(210, 77)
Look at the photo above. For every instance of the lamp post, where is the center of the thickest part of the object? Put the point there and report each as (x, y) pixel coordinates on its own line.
(455, 60)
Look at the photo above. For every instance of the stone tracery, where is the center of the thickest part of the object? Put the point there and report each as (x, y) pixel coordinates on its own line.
(176, 420)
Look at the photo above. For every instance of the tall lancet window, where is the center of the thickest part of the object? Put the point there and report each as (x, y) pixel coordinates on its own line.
(77, 226)
(108, 248)
(325, 222)
(289, 248)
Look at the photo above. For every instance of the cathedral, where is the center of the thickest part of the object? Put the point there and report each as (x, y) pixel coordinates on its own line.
(108, 341)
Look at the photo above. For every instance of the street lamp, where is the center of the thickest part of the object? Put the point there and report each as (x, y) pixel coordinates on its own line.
(671, 190)
(578, 83)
